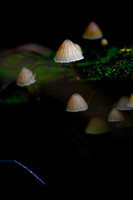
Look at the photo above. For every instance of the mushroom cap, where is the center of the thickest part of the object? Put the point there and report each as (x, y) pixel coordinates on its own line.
(115, 115)
(25, 77)
(122, 103)
(104, 42)
(97, 125)
(130, 101)
(68, 52)
(92, 32)
(76, 103)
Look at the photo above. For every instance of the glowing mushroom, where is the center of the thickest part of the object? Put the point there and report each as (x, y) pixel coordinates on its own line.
(115, 115)
(25, 77)
(69, 52)
(122, 103)
(76, 103)
(97, 125)
(92, 32)
(130, 102)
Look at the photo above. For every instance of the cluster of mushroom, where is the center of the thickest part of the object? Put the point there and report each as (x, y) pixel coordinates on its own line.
(98, 124)
(94, 32)
(68, 52)
(123, 104)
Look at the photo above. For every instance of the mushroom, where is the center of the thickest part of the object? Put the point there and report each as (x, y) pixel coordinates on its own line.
(104, 42)
(97, 125)
(25, 77)
(69, 52)
(122, 103)
(130, 102)
(92, 32)
(115, 115)
(76, 103)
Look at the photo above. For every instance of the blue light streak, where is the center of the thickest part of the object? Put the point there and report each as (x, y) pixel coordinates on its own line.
(15, 161)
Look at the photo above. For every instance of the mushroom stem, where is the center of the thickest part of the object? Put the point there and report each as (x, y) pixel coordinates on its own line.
(76, 77)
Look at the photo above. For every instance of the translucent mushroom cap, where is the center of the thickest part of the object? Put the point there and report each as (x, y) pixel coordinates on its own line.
(92, 32)
(97, 125)
(25, 77)
(76, 103)
(130, 101)
(115, 115)
(122, 103)
(68, 52)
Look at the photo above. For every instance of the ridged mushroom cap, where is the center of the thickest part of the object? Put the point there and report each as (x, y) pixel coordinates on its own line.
(68, 52)
(25, 77)
(76, 103)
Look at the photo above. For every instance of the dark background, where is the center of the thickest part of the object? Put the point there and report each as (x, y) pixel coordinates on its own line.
(50, 23)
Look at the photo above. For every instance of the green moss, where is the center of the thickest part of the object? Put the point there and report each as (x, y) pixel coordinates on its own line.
(3, 72)
(104, 63)
(47, 74)
(81, 64)
(109, 63)
(44, 66)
